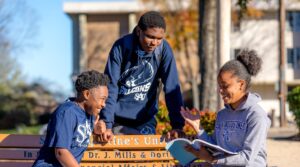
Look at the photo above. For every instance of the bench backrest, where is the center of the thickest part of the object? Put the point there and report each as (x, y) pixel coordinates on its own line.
(123, 151)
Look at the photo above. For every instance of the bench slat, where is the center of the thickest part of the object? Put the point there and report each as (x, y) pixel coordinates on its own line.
(132, 142)
(94, 155)
(15, 164)
(126, 156)
(15, 141)
(149, 164)
(120, 142)
(123, 151)
(18, 154)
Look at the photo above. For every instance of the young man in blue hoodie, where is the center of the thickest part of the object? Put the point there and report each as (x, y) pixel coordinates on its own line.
(135, 65)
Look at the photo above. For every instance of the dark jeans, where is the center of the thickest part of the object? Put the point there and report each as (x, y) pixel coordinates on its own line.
(147, 128)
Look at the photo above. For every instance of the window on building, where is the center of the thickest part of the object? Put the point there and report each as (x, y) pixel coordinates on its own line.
(236, 53)
(293, 21)
(293, 58)
(291, 87)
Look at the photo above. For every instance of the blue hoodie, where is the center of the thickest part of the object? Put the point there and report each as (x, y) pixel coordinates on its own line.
(243, 130)
(134, 76)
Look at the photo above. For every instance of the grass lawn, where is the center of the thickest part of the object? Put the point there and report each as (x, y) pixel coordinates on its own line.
(22, 130)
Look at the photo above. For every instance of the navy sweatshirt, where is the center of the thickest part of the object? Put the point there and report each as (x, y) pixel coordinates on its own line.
(134, 76)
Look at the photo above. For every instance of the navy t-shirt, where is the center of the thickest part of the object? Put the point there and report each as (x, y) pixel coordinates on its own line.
(70, 127)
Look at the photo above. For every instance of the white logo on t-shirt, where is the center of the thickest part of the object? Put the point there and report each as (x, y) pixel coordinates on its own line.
(84, 131)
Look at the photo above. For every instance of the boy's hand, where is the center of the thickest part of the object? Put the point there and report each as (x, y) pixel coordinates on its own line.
(100, 127)
(108, 135)
(105, 136)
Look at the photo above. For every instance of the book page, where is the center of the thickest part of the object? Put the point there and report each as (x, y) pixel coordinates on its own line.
(212, 148)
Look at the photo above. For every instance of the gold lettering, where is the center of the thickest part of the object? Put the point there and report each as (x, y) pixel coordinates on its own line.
(119, 141)
(154, 141)
(136, 141)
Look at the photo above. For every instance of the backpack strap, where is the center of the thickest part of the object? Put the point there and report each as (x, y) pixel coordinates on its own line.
(158, 53)
(127, 50)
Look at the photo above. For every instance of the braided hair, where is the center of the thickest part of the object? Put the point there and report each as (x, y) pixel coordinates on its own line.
(246, 64)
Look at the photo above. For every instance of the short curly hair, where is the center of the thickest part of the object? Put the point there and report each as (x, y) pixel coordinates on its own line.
(90, 79)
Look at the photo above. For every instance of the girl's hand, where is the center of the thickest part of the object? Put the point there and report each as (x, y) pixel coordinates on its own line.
(201, 154)
(191, 119)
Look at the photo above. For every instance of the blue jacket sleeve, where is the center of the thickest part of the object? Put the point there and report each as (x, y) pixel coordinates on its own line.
(112, 69)
(172, 91)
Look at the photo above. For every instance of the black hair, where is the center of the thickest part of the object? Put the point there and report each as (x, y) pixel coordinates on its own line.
(246, 64)
(151, 19)
(90, 79)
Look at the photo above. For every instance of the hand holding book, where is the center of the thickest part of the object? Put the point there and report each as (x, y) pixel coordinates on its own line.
(200, 152)
(186, 151)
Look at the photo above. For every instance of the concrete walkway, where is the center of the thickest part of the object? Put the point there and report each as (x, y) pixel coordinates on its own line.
(282, 151)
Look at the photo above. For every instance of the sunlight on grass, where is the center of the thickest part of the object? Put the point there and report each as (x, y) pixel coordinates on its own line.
(22, 129)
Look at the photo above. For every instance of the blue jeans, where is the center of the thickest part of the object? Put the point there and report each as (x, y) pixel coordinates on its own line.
(147, 128)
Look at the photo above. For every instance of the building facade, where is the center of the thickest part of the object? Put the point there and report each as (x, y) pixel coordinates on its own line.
(96, 25)
(262, 34)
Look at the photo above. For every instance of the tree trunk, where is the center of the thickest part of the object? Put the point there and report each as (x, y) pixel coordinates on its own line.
(208, 56)
(192, 79)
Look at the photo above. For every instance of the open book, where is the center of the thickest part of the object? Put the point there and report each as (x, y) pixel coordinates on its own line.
(177, 150)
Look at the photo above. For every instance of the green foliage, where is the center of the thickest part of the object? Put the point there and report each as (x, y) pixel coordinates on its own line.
(163, 120)
(243, 6)
(294, 103)
(15, 107)
(21, 104)
(207, 121)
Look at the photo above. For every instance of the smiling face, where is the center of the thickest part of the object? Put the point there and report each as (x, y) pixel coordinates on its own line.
(231, 88)
(96, 99)
(150, 38)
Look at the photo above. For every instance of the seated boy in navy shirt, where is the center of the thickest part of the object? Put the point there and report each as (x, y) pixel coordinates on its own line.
(72, 123)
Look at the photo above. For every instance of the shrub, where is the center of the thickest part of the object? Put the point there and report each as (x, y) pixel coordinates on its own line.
(162, 118)
(294, 103)
(207, 121)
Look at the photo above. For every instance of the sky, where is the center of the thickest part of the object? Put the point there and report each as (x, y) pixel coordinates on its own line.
(51, 60)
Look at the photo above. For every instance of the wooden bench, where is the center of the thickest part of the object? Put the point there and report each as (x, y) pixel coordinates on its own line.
(123, 151)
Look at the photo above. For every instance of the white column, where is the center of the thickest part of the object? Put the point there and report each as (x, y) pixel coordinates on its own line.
(224, 30)
(223, 36)
(132, 22)
(83, 42)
